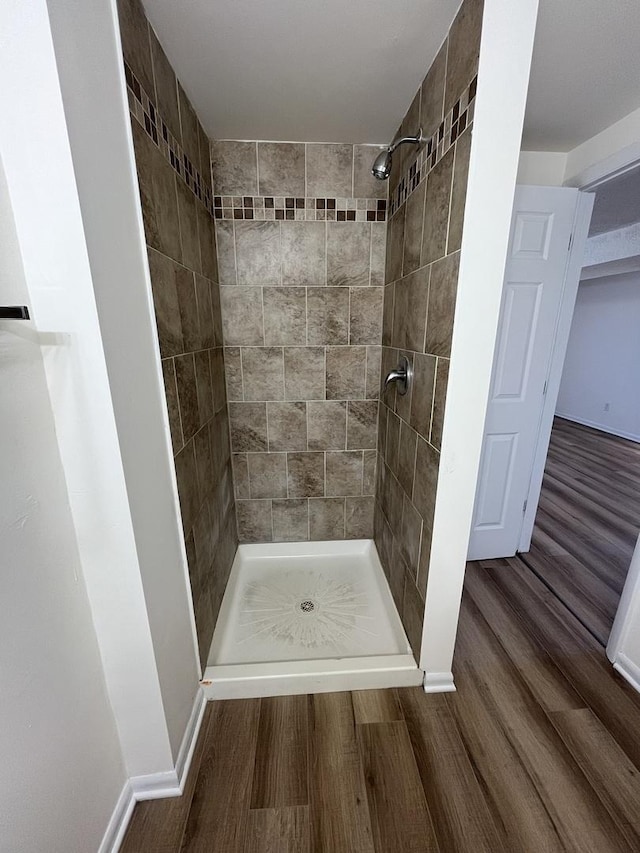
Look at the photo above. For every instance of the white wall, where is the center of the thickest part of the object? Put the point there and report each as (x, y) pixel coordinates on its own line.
(61, 770)
(89, 60)
(602, 364)
(505, 61)
(542, 168)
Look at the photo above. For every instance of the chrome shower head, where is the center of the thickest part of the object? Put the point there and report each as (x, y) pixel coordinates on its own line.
(381, 168)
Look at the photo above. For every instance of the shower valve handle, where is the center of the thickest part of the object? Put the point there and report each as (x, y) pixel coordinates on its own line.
(402, 374)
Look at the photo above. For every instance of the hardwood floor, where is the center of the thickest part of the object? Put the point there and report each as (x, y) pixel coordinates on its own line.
(536, 751)
(588, 521)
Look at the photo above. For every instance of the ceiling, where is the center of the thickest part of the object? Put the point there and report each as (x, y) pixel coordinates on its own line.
(617, 203)
(346, 70)
(329, 71)
(585, 73)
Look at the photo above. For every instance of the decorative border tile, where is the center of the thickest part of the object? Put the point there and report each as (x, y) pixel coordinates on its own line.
(300, 209)
(143, 109)
(459, 117)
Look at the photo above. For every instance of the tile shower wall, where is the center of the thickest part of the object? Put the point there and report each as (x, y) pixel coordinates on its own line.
(172, 158)
(427, 199)
(301, 239)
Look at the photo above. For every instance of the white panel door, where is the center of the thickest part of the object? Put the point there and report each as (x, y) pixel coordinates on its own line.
(541, 228)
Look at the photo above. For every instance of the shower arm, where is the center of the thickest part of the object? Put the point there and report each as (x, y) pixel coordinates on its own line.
(416, 140)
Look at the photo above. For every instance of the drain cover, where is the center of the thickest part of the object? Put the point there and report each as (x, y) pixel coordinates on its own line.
(307, 606)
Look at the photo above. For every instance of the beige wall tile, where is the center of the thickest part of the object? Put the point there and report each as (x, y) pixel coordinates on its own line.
(348, 254)
(281, 168)
(233, 372)
(226, 248)
(204, 385)
(156, 180)
(187, 395)
(285, 316)
(248, 424)
(207, 238)
(346, 373)
(242, 316)
(258, 260)
(327, 424)
(290, 520)
(190, 129)
(186, 475)
(362, 424)
(432, 104)
(263, 373)
(406, 457)
(344, 473)
(426, 479)
(364, 184)
(442, 304)
(287, 423)
(374, 361)
(173, 409)
(304, 373)
(241, 476)
(305, 475)
(328, 315)
(166, 87)
(436, 212)
(359, 517)
(439, 397)
(459, 191)
(164, 273)
(464, 50)
(378, 252)
(424, 369)
(254, 521)
(411, 533)
(369, 471)
(413, 222)
(267, 475)
(235, 168)
(365, 315)
(329, 170)
(326, 518)
(303, 253)
(412, 614)
(395, 242)
(134, 32)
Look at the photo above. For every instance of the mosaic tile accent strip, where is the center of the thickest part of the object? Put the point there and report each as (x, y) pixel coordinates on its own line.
(459, 117)
(299, 209)
(143, 109)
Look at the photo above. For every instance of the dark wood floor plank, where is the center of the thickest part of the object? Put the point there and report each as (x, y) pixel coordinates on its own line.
(283, 830)
(339, 817)
(535, 667)
(158, 825)
(614, 778)
(399, 814)
(574, 650)
(456, 797)
(581, 821)
(587, 522)
(218, 817)
(376, 706)
(280, 774)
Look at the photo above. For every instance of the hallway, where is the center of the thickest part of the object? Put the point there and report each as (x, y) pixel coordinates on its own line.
(536, 751)
(588, 521)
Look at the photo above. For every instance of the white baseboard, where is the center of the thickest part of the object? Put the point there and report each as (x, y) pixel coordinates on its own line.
(438, 682)
(119, 821)
(601, 427)
(628, 670)
(154, 786)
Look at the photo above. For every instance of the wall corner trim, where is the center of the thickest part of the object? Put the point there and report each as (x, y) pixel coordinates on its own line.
(155, 786)
(438, 682)
(628, 670)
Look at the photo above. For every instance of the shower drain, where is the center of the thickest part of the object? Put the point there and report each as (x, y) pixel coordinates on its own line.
(307, 606)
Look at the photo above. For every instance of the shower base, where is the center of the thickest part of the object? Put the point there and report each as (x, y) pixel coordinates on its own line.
(307, 617)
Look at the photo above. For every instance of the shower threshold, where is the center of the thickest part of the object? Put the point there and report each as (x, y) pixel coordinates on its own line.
(307, 617)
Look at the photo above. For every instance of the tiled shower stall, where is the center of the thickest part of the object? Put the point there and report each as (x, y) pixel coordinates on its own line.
(287, 282)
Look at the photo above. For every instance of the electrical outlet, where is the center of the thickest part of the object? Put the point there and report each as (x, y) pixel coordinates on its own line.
(607, 406)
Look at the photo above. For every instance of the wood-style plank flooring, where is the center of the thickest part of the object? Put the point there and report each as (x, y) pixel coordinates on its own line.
(538, 750)
(588, 521)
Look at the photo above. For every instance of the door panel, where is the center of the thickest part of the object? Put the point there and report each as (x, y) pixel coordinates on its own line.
(537, 258)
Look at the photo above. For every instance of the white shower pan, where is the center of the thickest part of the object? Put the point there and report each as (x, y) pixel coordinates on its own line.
(307, 617)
